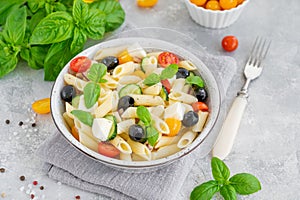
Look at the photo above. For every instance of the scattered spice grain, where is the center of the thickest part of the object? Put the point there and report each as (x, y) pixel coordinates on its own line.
(21, 123)
(7, 121)
(2, 170)
(22, 178)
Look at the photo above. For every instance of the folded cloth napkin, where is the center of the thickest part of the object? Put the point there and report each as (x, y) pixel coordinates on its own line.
(68, 165)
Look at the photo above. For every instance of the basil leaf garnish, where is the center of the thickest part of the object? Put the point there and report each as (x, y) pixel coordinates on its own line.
(97, 72)
(228, 192)
(152, 135)
(205, 191)
(169, 72)
(144, 115)
(245, 183)
(219, 170)
(83, 116)
(196, 80)
(91, 94)
(152, 79)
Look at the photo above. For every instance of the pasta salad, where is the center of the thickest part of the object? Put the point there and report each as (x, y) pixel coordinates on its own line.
(133, 104)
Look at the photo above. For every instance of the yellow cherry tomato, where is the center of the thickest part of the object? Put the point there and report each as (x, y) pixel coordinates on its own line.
(146, 3)
(88, 1)
(213, 5)
(41, 106)
(228, 4)
(124, 57)
(174, 126)
(198, 2)
(240, 2)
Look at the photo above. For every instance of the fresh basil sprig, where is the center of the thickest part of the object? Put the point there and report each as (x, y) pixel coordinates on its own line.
(168, 72)
(91, 91)
(243, 183)
(48, 33)
(145, 116)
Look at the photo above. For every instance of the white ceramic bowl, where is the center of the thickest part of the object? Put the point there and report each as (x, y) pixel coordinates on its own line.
(213, 101)
(215, 18)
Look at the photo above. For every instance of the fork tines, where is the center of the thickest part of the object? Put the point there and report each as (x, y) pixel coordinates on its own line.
(259, 51)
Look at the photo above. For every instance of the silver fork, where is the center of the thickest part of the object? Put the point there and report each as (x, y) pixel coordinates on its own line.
(231, 124)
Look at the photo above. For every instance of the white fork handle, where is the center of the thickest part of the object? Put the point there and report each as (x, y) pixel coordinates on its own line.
(230, 127)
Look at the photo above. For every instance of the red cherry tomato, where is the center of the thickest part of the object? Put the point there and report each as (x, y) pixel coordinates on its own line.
(199, 106)
(108, 149)
(230, 43)
(167, 58)
(80, 64)
(167, 85)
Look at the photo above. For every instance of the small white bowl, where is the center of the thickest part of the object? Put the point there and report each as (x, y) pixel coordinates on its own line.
(215, 18)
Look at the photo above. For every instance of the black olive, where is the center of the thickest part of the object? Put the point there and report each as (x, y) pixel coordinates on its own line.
(68, 93)
(137, 133)
(190, 119)
(125, 102)
(201, 94)
(182, 73)
(110, 61)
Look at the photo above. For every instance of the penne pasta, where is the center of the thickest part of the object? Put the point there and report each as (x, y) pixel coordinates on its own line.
(105, 107)
(155, 54)
(111, 83)
(153, 90)
(183, 97)
(166, 140)
(157, 110)
(69, 109)
(123, 126)
(125, 156)
(140, 149)
(83, 128)
(88, 141)
(129, 113)
(69, 121)
(160, 125)
(135, 50)
(165, 151)
(186, 64)
(74, 81)
(147, 100)
(129, 79)
(186, 139)
(123, 69)
(178, 85)
(81, 105)
(121, 144)
(201, 122)
(112, 51)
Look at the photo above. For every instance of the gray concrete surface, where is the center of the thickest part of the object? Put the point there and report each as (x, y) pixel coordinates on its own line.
(267, 144)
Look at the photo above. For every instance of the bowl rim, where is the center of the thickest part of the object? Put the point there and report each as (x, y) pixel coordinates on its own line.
(57, 115)
(240, 6)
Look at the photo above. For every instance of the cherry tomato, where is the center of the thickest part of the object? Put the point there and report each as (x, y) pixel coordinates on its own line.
(167, 58)
(75, 133)
(198, 2)
(167, 85)
(80, 64)
(108, 149)
(230, 43)
(124, 57)
(41, 106)
(146, 3)
(240, 2)
(199, 106)
(228, 4)
(174, 126)
(213, 5)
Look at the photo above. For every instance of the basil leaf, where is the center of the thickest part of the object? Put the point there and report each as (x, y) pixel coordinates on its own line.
(8, 6)
(152, 79)
(114, 13)
(8, 62)
(228, 192)
(78, 41)
(94, 24)
(15, 26)
(54, 28)
(59, 7)
(219, 170)
(91, 94)
(245, 183)
(169, 72)
(35, 5)
(35, 56)
(83, 116)
(152, 135)
(96, 72)
(80, 11)
(35, 19)
(144, 115)
(205, 191)
(57, 57)
(196, 80)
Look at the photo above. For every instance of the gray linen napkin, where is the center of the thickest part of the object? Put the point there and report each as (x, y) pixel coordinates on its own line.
(67, 165)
